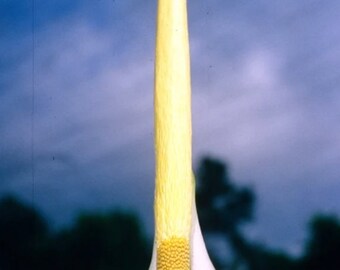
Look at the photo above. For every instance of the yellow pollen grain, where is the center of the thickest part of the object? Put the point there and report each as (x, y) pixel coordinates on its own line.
(173, 254)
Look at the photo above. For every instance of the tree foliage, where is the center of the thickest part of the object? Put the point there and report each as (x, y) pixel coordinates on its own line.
(21, 231)
(223, 206)
(116, 240)
(323, 246)
(97, 241)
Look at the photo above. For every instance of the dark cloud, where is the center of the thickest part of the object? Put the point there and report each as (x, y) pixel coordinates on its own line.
(264, 76)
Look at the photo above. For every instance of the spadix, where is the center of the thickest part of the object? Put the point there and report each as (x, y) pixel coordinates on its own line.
(178, 240)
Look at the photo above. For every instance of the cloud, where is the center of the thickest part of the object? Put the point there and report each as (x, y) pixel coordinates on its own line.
(264, 98)
(92, 122)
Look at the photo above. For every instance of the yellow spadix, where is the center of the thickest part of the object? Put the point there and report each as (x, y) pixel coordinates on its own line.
(178, 240)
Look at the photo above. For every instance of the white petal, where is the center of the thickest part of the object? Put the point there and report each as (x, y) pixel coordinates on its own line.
(153, 259)
(199, 256)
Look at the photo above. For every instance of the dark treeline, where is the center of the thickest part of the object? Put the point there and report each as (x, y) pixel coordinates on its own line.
(116, 240)
(223, 207)
(96, 241)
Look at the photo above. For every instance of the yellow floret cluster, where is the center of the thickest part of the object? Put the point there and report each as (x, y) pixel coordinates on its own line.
(174, 254)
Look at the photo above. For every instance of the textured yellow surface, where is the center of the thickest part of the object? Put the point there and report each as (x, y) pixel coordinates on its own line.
(178, 240)
(174, 189)
(174, 254)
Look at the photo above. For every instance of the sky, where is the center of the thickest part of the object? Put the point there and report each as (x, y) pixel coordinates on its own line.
(265, 99)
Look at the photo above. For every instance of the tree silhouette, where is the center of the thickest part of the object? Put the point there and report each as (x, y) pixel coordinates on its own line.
(22, 229)
(97, 241)
(102, 241)
(116, 240)
(223, 207)
(323, 246)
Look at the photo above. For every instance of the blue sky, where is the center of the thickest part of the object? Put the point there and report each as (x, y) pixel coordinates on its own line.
(265, 94)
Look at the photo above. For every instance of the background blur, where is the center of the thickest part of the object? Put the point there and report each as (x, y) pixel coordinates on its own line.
(76, 150)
